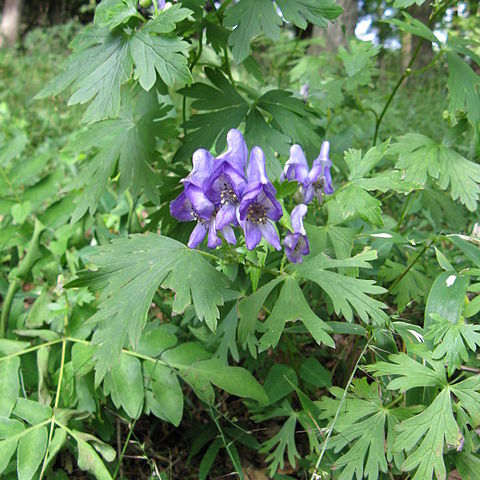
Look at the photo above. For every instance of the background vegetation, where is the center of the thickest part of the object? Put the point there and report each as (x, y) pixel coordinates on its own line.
(106, 373)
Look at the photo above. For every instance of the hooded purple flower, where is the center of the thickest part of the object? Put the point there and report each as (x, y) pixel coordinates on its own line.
(160, 4)
(224, 186)
(192, 204)
(314, 182)
(259, 207)
(296, 243)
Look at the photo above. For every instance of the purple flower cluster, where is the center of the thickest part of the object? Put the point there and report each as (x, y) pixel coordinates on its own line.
(223, 192)
(313, 182)
(227, 191)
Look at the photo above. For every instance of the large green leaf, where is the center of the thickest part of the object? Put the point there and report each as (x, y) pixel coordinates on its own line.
(347, 293)
(464, 88)
(222, 108)
(291, 306)
(125, 385)
(31, 449)
(420, 156)
(103, 60)
(249, 18)
(129, 272)
(125, 144)
(9, 385)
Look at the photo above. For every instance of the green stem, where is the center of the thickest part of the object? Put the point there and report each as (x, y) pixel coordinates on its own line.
(7, 305)
(237, 468)
(415, 260)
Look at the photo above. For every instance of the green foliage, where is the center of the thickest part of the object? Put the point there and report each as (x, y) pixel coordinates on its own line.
(117, 340)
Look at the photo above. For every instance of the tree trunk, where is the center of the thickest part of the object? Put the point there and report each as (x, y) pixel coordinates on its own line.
(10, 22)
(410, 42)
(339, 30)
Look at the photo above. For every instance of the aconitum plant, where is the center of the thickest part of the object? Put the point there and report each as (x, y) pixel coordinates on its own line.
(227, 191)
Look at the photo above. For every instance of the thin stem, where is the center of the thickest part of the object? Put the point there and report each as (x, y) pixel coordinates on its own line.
(315, 474)
(31, 349)
(7, 305)
(405, 209)
(237, 468)
(415, 260)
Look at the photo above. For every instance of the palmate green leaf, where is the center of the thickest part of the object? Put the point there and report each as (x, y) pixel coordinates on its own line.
(113, 13)
(358, 61)
(99, 65)
(354, 198)
(164, 55)
(224, 108)
(302, 12)
(468, 394)
(409, 373)
(249, 18)
(355, 201)
(464, 88)
(451, 341)
(420, 156)
(347, 293)
(412, 25)
(129, 272)
(102, 61)
(291, 306)
(283, 441)
(424, 437)
(360, 430)
(125, 144)
(291, 117)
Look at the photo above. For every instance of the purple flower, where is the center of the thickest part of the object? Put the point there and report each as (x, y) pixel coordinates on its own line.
(314, 182)
(191, 205)
(160, 4)
(224, 186)
(259, 208)
(202, 161)
(296, 243)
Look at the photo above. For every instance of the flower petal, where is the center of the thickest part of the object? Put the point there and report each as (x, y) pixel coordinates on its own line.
(272, 205)
(298, 161)
(237, 152)
(213, 240)
(229, 235)
(270, 235)
(250, 194)
(297, 218)
(308, 193)
(328, 187)
(256, 166)
(252, 234)
(197, 236)
(201, 205)
(181, 208)
(202, 168)
(225, 216)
